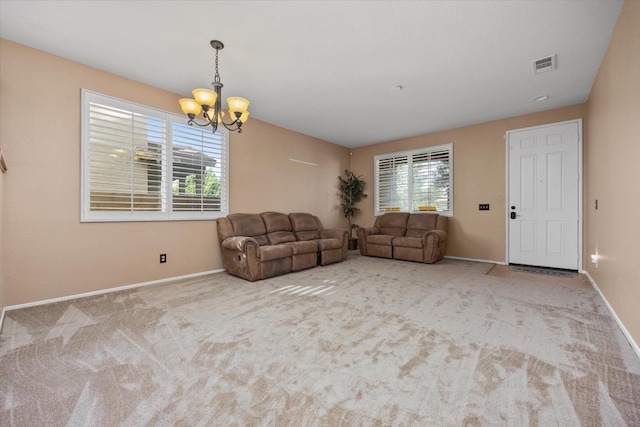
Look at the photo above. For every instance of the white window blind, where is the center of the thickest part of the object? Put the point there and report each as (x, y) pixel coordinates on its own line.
(393, 185)
(141, 164)
(125, 165)
(415, 181)
(198, 165)
(431, 171)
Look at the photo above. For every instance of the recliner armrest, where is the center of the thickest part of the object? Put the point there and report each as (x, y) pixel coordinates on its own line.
(334, 233)
(364, 232)
(239, 243)
(435, 244)
(341, 234)
(241, 257)
(442, 235)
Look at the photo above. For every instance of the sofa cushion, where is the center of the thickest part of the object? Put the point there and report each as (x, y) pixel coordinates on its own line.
(276, 221)
(278, 228)
(305, 226)
(419, 223)
(380, 239)
(307, 235)
(278, 237)
(271, 252)
(326, 244)
(408, 242)
(250, 225)
(394, 223)
(304, 247)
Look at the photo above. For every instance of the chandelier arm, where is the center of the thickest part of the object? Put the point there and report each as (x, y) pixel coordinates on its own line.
(230, 127)
(213, 124)
(194, 122)
(237, 121)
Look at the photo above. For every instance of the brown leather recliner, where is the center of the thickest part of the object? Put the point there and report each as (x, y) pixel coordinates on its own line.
(259, 246)
(420, 237)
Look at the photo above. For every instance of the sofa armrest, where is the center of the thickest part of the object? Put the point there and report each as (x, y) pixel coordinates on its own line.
(363, 233)
(435, 244)
(341, 234)
(334, 233)
(441, 234)
(241, 257)
(240, 243)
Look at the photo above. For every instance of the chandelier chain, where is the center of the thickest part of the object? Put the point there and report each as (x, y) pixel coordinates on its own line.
(216, 78)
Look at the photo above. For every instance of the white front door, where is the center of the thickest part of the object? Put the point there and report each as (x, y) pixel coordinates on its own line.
(544, 184)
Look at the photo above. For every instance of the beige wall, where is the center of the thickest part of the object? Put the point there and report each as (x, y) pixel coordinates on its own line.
(263, 178)
(613, 153)
(479, 177)
(48, 253)
(1, 244)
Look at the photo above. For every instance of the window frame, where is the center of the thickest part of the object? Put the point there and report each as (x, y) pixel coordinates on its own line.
(166, 212)
(410, 154)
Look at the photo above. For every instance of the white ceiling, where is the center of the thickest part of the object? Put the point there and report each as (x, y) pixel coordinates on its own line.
(327, 68)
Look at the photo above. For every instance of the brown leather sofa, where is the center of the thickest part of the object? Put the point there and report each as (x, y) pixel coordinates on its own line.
(420, 237)
(259, 246)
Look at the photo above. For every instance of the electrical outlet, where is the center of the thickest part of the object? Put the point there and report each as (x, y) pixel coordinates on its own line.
(483, 207)
(163, 258)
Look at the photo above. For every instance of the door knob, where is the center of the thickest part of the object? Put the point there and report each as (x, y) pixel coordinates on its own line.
(513, 215)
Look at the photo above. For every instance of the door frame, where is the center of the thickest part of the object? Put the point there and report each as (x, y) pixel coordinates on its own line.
(580, 186)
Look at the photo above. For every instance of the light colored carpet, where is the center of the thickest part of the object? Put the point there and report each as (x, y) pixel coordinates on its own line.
(364, 342)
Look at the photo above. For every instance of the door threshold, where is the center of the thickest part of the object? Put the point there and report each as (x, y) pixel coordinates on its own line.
(548, 271)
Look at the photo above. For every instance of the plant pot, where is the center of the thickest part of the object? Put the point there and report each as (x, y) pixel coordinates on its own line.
(353, 244)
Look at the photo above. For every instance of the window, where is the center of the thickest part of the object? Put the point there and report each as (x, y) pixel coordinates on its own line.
(415, 181)
(142, 164)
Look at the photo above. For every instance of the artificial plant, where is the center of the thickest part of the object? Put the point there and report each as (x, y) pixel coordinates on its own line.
(351, 192)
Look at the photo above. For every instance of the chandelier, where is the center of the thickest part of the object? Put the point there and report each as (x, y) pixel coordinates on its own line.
(209, 103)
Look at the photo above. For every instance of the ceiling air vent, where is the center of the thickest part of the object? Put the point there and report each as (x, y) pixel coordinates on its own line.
(544, 64)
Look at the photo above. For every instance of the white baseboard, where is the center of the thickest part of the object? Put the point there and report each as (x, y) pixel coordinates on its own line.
(476, 260)
(624, 330)
(102, 291)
